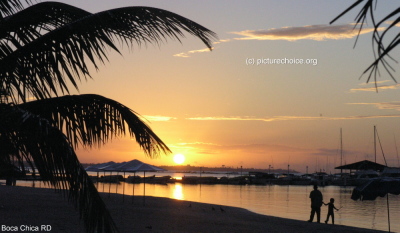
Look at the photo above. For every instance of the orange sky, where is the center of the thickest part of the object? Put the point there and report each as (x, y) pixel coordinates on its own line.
(218, 109)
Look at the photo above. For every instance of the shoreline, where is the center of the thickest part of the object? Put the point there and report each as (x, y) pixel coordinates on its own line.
(34, 207)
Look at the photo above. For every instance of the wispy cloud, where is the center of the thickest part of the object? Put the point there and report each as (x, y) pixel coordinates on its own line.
(181, 55)
(212, 148)
(196, 143)
(289, 118)
(159, 118)
(364, 117)
(238, 118)
(309, 32)
(383, 105)
(392, 21)
(192, 145)
(222, 41)
(187, 54)
(376, 88)
(388, 105)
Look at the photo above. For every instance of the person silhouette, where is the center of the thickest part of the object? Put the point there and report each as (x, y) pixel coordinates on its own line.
(316, 203)
(331, 207)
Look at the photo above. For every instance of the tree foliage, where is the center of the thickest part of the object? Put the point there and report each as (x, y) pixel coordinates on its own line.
(45, 48)
(384, 38)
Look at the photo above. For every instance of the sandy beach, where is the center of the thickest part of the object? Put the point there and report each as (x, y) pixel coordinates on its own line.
(33, 208)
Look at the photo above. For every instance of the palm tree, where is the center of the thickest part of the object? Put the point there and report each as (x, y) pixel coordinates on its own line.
(44, 48)
(381, 46)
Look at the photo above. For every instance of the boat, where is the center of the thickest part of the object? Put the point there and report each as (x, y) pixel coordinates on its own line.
(391, 172)
(199, 180)
(305, 179)
(238, 180)
(111, 179)
(322, 178)
(261, 178)
(361, 177)
(365, 170)
(158, 179)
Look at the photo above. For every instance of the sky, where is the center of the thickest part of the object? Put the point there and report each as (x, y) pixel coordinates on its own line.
(234, 106)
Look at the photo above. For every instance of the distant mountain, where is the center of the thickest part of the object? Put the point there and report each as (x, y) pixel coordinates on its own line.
(189, 168)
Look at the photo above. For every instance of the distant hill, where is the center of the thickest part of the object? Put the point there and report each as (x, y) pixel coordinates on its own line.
(189, 168)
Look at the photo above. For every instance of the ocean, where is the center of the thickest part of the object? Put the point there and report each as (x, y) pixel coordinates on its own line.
(287, 201)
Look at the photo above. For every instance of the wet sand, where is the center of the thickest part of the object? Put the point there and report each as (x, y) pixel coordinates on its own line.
(34, 207)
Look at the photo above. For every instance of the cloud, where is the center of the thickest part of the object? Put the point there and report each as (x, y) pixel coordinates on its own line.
(331, 152)
(377, 88)
(289, 118)
(201, 50)
(365, 117)
(309, 32)
(383, 105)
(222, 41)
(197, 143)
(192, 51)
(192, 145)
(239, 118)
(392, 21)
(181, 55)
(187, 54)
(159, 118)
(212, 148)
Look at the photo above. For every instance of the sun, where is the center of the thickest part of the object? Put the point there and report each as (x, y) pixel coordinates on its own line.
(179, 158)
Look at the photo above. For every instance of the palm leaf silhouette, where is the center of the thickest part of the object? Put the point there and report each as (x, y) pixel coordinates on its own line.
(382, 46)
(45, 48)
(28, 137)
(93, 119)
(62, 53)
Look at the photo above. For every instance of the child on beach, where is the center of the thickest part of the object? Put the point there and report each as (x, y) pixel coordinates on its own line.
(331, 206)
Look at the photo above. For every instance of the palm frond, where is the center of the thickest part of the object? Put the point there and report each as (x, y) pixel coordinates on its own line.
(9, 7)
(46, 47)
(93, 119)
(380, 50)
(43, 66)
(28, 24)
(28, 137)
(347, 10)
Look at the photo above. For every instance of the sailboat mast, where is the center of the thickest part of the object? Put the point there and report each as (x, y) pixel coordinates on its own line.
(397, 152)
(375, 141)
(380, 144)
(341, 151)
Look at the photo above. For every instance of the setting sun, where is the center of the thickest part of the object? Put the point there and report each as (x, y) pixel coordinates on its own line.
(179, 158)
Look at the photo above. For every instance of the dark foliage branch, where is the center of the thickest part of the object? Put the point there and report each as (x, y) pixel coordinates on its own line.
(9, 7)
(28, 137)
(42, 67)
(29, 24)
(45, 47)
(93, 119)
(381, 48)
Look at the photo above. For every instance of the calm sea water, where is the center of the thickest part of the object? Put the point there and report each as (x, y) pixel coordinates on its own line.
(282, 201)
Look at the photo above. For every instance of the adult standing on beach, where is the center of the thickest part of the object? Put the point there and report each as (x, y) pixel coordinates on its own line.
(316, 203)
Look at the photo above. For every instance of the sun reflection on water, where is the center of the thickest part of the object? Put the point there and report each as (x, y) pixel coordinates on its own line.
(177, 191)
